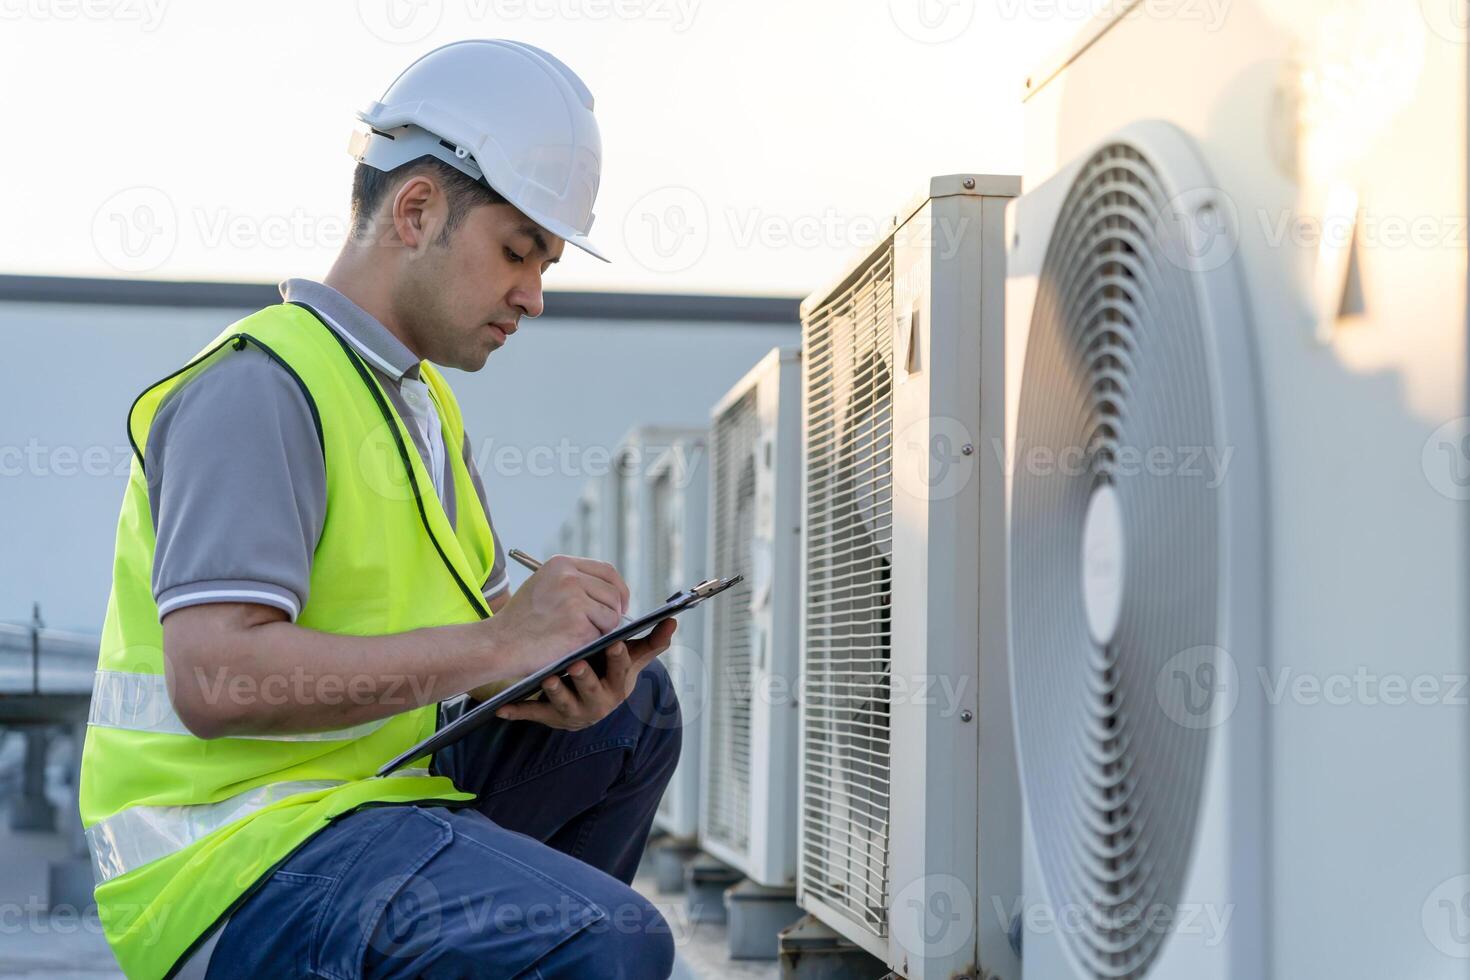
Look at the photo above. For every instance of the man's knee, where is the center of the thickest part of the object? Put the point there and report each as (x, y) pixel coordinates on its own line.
(656, 686)
(630, 940)
(656, 705)
(490, 903)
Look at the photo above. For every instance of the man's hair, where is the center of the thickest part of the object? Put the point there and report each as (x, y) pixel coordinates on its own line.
(370, 186)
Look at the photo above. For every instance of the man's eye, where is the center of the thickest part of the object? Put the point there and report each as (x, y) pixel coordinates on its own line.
(513, 257)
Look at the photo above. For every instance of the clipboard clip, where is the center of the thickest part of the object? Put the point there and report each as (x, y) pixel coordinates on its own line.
(713, 586)
(707, 588)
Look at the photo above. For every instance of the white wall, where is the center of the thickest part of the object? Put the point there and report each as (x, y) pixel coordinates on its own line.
(566, 386)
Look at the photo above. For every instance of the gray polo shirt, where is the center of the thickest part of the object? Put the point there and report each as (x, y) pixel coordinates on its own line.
(236, 479)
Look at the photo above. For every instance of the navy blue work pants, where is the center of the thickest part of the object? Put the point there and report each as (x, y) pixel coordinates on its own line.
(530, 881)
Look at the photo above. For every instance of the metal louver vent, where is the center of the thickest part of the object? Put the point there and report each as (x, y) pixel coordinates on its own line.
(727, 815)
(848, 377)
(668, 537)
(586, 528)
(666, 558)
(628, 476)
(1114, 754)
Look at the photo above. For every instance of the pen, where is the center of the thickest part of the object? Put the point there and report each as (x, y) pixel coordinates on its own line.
(535, 566)
(524, 559)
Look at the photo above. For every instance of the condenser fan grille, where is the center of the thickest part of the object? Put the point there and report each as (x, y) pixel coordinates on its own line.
(848, 355)
(727, 800)
(1117, 368)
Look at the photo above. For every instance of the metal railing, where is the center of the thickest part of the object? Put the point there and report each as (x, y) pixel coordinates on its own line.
(35, 660)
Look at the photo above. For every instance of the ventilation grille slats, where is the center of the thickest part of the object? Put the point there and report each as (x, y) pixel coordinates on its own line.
(727, 801)
(846, 662)
(668, 549)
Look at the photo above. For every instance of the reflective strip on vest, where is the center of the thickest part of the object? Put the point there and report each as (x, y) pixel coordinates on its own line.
(140, 703)
(139, 835)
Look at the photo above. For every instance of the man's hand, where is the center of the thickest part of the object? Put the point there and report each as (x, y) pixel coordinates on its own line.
(588, 698)
(566, 604)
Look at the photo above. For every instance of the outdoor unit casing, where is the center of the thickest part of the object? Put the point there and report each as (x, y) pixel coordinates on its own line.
(1262, 396)
(671, 556)
(565, 540)
(748, 794)
(591, 519)
(909, 814)
(567, 536)
(627, 538)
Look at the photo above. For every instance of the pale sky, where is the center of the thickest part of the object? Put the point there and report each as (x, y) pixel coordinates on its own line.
(749, 147)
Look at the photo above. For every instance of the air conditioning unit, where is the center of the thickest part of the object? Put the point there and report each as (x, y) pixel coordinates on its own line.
(592, 523)
(909, 814)
(567, 536)
(565, 539)
(1236, 422)
(668, 556)
(747, 812)
(626, 537)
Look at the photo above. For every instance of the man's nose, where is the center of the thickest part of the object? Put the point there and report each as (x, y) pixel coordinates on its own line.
(529, 298)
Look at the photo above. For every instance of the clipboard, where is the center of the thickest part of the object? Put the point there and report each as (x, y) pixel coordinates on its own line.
(531, 685)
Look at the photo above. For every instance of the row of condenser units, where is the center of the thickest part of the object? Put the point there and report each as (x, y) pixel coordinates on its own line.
(1104, 610)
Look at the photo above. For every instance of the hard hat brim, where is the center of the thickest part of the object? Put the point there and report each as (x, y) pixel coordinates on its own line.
(388, 152)
(569, 235)
(581, 242)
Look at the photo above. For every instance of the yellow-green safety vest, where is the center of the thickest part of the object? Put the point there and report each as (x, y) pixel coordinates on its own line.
(180, 828)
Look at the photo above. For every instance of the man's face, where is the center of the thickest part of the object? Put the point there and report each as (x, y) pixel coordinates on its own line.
(463, 299)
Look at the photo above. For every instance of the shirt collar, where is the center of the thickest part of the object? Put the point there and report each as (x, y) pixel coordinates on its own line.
(355, 325)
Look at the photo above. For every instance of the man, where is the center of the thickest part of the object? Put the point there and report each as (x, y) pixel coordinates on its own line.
(306, 568)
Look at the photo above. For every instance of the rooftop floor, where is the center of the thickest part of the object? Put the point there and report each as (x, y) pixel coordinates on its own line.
(37, 946)
(67, 945)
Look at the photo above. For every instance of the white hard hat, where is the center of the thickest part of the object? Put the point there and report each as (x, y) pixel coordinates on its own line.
(503, 112)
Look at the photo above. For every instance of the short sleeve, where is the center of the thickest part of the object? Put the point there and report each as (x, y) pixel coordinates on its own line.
(498, 581)
(236, 486)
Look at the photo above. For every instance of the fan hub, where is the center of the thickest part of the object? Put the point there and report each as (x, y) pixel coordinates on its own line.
(1103, 554)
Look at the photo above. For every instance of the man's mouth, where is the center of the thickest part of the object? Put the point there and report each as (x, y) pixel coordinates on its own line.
(502, 330)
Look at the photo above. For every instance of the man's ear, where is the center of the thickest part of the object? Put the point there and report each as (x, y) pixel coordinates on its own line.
(417, 211)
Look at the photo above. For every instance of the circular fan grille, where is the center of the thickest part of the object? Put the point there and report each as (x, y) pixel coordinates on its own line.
(1115, 413)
